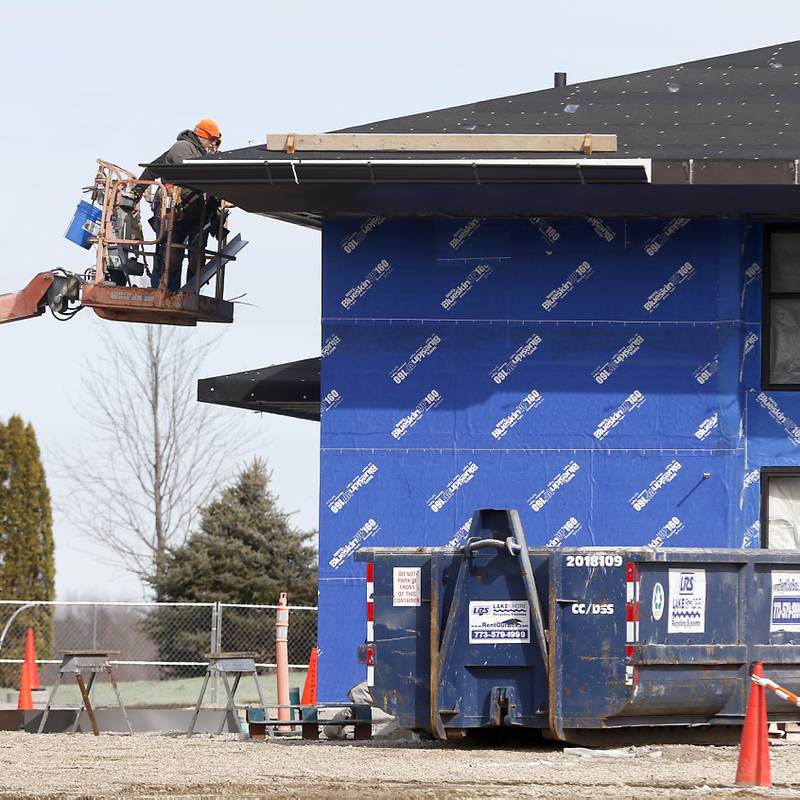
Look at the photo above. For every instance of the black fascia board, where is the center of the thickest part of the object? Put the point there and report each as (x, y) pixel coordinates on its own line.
(472, 168)
(291, 389)
(673, 196)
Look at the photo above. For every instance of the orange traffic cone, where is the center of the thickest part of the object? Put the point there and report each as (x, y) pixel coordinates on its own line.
(753, 767)
(25, 700)
(309, 697)
(30, 660)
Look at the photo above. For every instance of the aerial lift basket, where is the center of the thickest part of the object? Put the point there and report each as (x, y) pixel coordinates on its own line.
(122, 252)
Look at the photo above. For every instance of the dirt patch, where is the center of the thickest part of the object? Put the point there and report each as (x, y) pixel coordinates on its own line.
(151, 765)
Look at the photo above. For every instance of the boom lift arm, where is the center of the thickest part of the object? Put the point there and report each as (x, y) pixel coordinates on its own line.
(54, 289)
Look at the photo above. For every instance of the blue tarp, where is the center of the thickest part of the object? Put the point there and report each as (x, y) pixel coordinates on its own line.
(600, 376)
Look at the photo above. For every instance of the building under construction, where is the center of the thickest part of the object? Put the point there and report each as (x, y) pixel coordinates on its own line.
(582, 303)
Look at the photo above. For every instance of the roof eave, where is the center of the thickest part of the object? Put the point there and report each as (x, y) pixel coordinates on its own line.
(303, 192)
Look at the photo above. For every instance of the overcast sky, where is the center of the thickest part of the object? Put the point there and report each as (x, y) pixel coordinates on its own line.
(259, 67)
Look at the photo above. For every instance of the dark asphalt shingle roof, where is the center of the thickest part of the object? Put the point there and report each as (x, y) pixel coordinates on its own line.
(739, 106)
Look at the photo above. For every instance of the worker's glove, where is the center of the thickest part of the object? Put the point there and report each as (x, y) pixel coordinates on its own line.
(214, 215)
(213, 223)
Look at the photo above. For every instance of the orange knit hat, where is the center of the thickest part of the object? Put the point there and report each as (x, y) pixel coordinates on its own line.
(207, 129)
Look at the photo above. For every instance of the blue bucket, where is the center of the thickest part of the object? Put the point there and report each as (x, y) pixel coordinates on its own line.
(85, 224)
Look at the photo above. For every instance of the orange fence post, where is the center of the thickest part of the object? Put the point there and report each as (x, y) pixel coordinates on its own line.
(282, 661)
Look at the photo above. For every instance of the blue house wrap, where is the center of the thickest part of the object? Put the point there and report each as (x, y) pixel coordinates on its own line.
(600, 376)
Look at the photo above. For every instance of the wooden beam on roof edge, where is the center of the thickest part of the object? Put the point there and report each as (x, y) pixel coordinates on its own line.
(444, 142)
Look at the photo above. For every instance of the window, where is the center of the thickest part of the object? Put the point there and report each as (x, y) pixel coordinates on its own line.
(780, 359)
(780, 508)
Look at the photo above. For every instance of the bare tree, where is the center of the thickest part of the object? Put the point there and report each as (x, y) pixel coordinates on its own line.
(157, 454)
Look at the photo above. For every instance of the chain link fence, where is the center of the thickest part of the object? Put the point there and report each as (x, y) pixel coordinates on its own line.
(161, 647)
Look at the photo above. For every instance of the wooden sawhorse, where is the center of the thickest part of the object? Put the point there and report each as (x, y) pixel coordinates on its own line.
(225, 664)
(76, 662)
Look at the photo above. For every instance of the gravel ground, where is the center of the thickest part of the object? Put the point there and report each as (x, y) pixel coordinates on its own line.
(152, 765)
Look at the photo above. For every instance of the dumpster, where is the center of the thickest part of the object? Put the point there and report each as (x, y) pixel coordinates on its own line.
(577, 642)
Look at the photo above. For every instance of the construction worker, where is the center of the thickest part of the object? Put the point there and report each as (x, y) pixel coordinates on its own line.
(193, 208)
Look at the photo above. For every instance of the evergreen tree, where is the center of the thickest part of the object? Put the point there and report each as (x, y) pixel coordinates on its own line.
(27, 568)
(245, 551)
